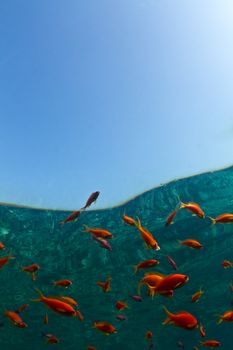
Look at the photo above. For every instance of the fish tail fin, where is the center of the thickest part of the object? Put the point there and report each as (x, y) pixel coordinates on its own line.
(79, 315)
(219, 320)
(179, 241)
(86, 228)
(151, 292)
(167, 312)
(41, 296)
(135, 267)
(138, 222)
(213, 221)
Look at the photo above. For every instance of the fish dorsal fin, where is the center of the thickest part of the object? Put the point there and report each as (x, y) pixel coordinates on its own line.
(154, 273)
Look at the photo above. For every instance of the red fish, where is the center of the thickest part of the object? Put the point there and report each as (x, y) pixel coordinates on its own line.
(146, 264)
(57, 305)
(31, 269)
(225, 218)
(181, 319)
(227, 317)
(151, 281)
(63, 283)
(171, 282)
(147, 237)
(194, 208)
(196, 296)
(93, 197)
(72, 217)
(51, 339)
(2, 246)
(149, 335)
(91, 348)
(105, 327)
(226, 264)
(128, 220)
(15, 318)
(202, 331)
(5, 259)
(98, 232)
(69, 300)
(106, 287)
(172, 262)
(192, 243)
(210, 343)
(120, 305)
(170, 218)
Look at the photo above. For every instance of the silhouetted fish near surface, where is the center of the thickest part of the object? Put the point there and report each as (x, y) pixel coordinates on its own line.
(93, 197)
(72, 217)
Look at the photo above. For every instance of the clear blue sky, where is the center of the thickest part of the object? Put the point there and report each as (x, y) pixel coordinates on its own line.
(115, 96)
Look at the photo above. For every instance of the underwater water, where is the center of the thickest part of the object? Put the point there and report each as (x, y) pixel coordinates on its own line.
(65, 251)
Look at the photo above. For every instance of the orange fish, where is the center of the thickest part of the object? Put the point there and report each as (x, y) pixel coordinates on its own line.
(31, 269)
(146, 264)
(72, 217)
(192, 243)
(5, 259)
(105, 327)
(121, 306)
(91, 348)
(106, 287)
(128, 220)
(226, 264)
(69, 300)
(181, 319)
(196, 296)
(210, 343)
(149, 335)
(2, 246)
(79, 315)
(46, 319)
(57, 305)
(170, 218)
(171, 282)
(194, 208)
(225, 218)
(151, 281)
(52, 339)
(227, 317)
(98, 232)
(63, 283)
(147, 237)
(15, 318)
(202, 331)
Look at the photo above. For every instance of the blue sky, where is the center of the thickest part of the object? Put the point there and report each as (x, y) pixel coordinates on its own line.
(115, 96)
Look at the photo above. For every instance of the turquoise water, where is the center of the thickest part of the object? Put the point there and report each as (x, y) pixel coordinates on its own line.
(35, 236)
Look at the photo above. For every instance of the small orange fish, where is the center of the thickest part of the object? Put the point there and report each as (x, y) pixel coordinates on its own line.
(5, 259)
(227, 317)
(225, 218)
(51, 339)
(106, 287)
(98, 232)
(63, 283)
(57, 305)
(149, 335)
(120, 305)
(196, 296)
(31, 269)
(170, 218)
(72, 217)
(105, 327)
(128, 220)
(210, 343)
(192, 243)
(146, 264)
(147, 237)
(91, 348)
(194, 208)
(46, 319)
(79, 315)
(151, 281)
(181, 319)
(202, 331)
(226, 264)
(69, 300)
(15, 318)
(2, 246)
